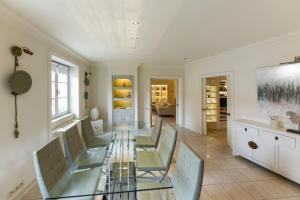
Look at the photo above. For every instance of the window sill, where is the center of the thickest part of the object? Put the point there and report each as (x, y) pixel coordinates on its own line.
(62, 120)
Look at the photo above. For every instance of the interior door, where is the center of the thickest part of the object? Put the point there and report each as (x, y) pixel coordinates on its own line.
(229, 108)
(178, 102)
(150, 102)
(204, 107)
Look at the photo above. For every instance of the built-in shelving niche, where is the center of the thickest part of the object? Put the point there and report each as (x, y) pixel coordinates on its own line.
(122, 93)
(123, 99)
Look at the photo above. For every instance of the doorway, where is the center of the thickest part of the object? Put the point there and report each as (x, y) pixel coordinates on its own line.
(216, 106)
(163, 100)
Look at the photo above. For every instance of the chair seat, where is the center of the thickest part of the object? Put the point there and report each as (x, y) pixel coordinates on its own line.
(156, 195)
(142, 132)
(144, 141)
(102, 140)
(82, 182)
(90, 159)
(150, 195)
(149, 161)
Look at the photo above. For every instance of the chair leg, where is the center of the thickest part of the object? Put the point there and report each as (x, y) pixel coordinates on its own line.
(147, 172)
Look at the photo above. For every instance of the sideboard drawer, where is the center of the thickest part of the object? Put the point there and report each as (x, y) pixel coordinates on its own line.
(250, 131)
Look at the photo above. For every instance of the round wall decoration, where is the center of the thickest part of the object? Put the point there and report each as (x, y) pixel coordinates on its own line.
(20, 82)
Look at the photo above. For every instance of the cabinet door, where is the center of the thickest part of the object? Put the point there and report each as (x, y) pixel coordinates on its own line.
(243, 135)
(126, 116)
(265, 152)
(289, 163)
(242, 146)
(117, 117)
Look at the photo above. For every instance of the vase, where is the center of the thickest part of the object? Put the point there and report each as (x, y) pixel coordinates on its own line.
(94, 113)
(275, 123)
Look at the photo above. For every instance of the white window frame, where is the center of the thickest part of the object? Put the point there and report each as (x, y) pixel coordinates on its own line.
(57, 115)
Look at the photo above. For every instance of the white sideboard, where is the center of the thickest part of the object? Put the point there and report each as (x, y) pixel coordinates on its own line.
(275, 149)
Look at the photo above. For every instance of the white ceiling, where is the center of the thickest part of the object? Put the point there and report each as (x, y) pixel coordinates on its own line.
(169, 30)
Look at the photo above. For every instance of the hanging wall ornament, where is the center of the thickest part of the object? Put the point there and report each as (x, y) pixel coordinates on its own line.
(86, 83)
(19, 81)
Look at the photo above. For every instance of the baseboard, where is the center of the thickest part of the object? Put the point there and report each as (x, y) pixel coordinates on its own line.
(192, 129)
(26, 188)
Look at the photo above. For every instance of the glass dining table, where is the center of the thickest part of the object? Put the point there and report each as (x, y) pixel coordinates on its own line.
(118, 178)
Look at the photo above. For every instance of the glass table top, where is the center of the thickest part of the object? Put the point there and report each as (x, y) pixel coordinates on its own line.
(118, 176)
(133, 126)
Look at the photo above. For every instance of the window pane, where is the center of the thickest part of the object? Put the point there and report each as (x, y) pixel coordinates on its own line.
(59, 89)
(62, 105)
(53, 107)
(53, 89)
(53, 71)
(63, 73)
(62, 89)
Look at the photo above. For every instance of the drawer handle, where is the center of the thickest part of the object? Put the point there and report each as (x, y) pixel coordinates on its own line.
(246, 129)
(252, 145)
(276, 138)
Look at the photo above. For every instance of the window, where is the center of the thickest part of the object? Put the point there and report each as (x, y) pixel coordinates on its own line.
(60, 89)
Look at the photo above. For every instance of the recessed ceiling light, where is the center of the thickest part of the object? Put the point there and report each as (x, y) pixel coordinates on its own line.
(185, 58)
(135, 22)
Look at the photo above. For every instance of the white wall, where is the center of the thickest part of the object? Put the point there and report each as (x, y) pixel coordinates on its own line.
(101, 80)
(34, 107)
(101, 85)
(99, 91)
(146, 71)
(243, 63)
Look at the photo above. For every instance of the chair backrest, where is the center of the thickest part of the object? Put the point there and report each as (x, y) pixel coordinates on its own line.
(50, 166)
(87, 130)
(155, 135)
(188, 176)
(167, 145)
(73, 144)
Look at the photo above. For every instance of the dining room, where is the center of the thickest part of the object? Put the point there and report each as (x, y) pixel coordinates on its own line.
(115, 99)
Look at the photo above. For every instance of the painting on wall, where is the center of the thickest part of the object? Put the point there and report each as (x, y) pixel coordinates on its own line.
(278, 88)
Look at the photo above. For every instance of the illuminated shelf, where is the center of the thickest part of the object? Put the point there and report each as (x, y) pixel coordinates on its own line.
(159, 93)
(211, 103)
(122, 98)
(122, 82)
(122, 88)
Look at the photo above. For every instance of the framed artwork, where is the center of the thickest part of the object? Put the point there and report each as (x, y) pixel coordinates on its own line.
(278, 88)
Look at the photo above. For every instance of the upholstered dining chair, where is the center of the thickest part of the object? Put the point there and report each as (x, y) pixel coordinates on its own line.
(54, 176)
(187, 178)
(77, 155)
(91, 139)
(160, 160)
(145, 142)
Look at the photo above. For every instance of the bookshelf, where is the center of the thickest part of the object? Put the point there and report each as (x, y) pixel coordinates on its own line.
(211, 102)
(216, 101)
(159, 93)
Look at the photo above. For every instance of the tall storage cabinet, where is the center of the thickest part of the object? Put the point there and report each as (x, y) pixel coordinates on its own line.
(123, 99)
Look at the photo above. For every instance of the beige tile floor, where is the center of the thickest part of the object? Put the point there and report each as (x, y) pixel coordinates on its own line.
(226, 177)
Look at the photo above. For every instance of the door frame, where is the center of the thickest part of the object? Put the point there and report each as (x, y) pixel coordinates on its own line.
(230, 102)
(179, 98)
